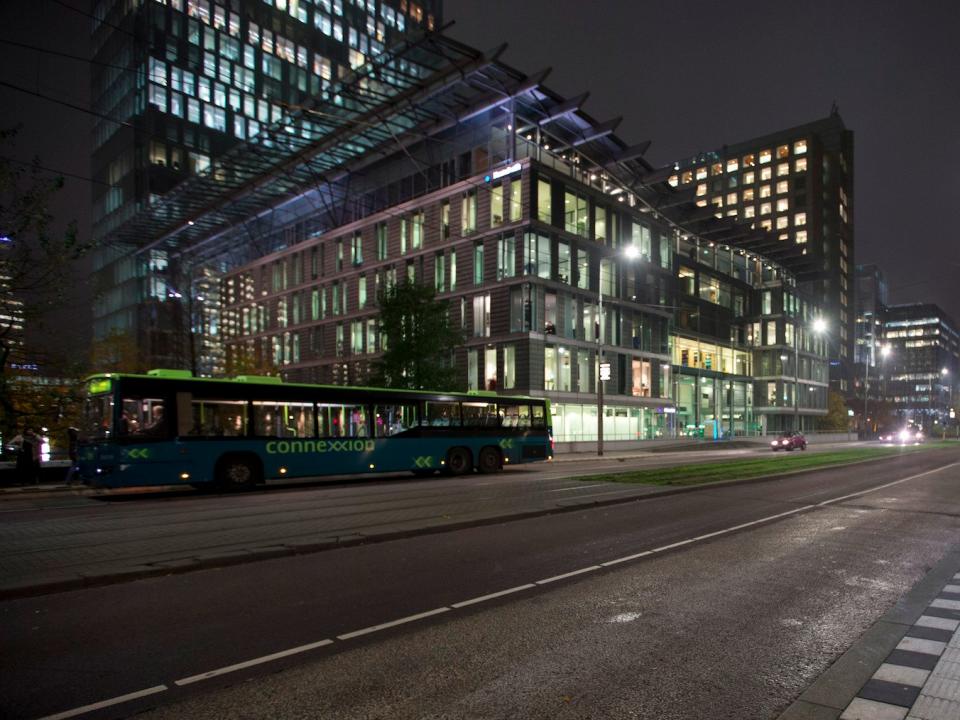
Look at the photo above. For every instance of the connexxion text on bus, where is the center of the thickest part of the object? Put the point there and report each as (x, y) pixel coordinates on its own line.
(167, 428)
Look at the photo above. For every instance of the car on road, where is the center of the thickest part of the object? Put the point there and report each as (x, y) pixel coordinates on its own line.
(905, 436)
(789, 440)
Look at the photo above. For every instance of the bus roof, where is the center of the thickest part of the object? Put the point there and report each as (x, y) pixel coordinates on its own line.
(264, 380)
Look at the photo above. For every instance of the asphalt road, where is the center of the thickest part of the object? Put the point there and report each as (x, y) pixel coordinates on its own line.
(720, 603)
(62, 538)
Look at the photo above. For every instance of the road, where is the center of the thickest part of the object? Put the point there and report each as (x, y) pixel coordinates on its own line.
(64, 540)
(725, 602)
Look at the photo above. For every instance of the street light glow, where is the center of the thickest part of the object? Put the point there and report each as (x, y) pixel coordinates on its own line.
(631, 252)
(885, 351)
(819, 325)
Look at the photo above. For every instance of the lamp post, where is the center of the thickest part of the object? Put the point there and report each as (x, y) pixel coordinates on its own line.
(945, 374)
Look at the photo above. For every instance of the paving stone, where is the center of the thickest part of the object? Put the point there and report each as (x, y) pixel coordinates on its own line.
(943, 688)
(942, 612)
(924, 661)
(938, 622)
(931, 708)
(901, 674)
(947, 604)
(930, 633)
(919, 645)
(947, 595)
(861, 709)
(889, 692)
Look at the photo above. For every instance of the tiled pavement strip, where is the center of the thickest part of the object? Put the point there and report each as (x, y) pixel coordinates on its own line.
(907, 666)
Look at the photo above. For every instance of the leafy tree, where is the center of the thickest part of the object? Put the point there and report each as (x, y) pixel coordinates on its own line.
(35, 259)
(837, 419)
(418, 340)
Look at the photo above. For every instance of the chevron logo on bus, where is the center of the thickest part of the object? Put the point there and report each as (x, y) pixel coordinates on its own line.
(137, 453)
(506, 443)
(423, 461)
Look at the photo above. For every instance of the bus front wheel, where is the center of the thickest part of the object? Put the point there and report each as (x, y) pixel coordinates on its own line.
(489, 461)
(459, 461)
(237, 471)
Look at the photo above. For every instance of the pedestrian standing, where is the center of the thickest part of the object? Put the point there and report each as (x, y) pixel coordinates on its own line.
(28, 456)
(73, 438)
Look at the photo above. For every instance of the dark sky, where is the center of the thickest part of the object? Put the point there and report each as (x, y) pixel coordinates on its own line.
(689, 76)
(694, 76)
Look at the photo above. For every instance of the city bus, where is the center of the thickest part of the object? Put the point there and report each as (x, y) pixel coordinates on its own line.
(170, 428)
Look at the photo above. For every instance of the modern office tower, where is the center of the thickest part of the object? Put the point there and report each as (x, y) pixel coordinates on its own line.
(796, 184)
(871, 299)
(178, 83)
(11, 311)
(920, 371)
(522, 212)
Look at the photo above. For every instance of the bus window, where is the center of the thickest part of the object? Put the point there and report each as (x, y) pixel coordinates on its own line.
(478, 414)
(282, 420)
(219, 418)
(393, 419)
(142, 417)
(442, 414)
(514, 416)
(97, 417)
(343, 421)
(539, 418)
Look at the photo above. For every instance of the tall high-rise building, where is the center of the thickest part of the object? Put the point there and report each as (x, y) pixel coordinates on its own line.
(796, 184)
(178, 83)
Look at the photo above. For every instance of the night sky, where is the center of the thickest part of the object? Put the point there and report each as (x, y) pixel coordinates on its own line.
(690, 76)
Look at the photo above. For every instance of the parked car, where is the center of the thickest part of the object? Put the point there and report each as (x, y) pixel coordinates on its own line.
(789, 440)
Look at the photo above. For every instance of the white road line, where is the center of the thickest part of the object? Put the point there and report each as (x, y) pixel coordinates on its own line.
(106, 703)
(250, 663)
(575, 487)
(628, 558)
(568, 575)
(491, 596)
(393, 623)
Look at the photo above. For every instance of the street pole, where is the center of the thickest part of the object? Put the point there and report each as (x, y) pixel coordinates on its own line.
(866, 392)
(796, 378)
(599, 374)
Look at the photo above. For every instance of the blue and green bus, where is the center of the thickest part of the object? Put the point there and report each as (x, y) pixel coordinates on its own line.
(170, 428)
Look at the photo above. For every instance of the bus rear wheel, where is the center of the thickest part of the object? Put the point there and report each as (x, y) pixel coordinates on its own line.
(459, 461)
(489, 460)
(235, 472)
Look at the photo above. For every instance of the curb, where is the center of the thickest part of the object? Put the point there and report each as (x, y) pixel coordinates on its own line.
(308, 547)
(830, 694)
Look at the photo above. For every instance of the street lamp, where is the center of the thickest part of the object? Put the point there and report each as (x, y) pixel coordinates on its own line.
(945, 374)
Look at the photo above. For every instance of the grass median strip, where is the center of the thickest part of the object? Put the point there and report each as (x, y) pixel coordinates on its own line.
(703, 473)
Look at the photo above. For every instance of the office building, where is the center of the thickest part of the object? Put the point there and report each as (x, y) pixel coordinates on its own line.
(797, 184)
(920, 371)
(177, 84)
(870, 297)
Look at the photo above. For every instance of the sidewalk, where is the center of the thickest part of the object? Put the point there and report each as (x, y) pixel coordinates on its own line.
(905, 667)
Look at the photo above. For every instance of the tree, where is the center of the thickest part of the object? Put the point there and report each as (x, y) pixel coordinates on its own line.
(35, 260)
(837, 419)
(417, 339)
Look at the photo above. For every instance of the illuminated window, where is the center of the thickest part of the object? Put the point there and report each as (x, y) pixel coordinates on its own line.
(701, 203)
(800, 219)
(764, 191)
(782, 187)
(783, 169)
(731, 198)
(718, 201)
(716, 169)
(782, 222)
(733, 165)
(749, 177)
(801, 236)
(783, 204)
(748, 194)
(544, 210)
(702, 173)
(800, 165)
(686, 177)
(799, 147)
(765, 208)
(673, 181)
(783, 151)
(766, 224)
(766, 173)
(749, 160)
(765, 156)
(749, 211)
(701, 189)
